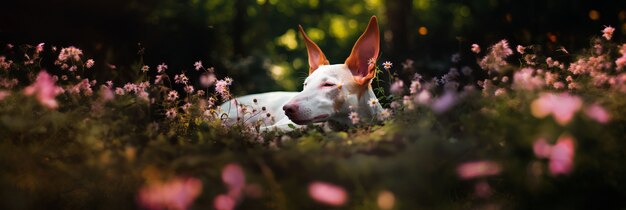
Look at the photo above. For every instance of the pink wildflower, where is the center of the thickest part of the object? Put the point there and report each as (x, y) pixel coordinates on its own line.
(621, 62)
(475, 48)
(224, 202)
(598, 113)
(476, 169)
(541, 148)
(89, 63)
(145, 68)
(385, 114)
(161, 67)
(234, 177)
(423, 97)
(562, 156)
(172, 95)
(495, 59)
(607, 32)
(45, 89)
(177, 193)
(327, 193)
(354, 117)
(4, 94)
(171, 113)
(198, 65)
(106, 94)
(520, 49)
(562, 106)
(397, 87)
(501, 49)
(120, 91)
(189, 89)
(525, 80)
(415, 86)
(181, 78)
(207, 80)
(499, 92)
(70, 53)
(221, 87)
(444, 102)
(39, 48)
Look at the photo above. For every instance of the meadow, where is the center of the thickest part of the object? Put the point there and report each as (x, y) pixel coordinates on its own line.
(520, 128)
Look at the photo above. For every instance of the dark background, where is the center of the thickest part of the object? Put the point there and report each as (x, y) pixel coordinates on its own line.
(254, 41)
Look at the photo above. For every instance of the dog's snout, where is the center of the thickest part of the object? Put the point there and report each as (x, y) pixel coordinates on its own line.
(290, 108)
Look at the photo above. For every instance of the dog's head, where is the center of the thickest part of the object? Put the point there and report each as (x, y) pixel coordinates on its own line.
(330, 90)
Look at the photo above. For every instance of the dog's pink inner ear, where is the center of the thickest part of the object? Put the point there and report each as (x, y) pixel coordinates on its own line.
(362, 59)
(316, 56)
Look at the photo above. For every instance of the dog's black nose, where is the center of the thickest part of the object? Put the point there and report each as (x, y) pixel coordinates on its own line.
(290, 108)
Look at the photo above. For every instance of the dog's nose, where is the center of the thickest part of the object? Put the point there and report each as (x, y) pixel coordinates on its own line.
(290, 108)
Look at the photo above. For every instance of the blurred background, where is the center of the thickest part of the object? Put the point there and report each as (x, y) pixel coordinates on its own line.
(255, 41)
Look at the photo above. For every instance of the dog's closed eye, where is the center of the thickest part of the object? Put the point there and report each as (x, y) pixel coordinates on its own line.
(328, 84)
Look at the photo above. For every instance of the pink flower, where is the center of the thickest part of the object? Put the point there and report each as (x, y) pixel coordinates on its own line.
(541, 148)
(224, 202)
(445, 102)
(354, 117)
(171, 113)
(234, 177)
(221, 87)
(608, 32)
(39, 48)
(161, 67)
(207, 80)
(524, 80)
(327, 193)
(562, 156)
(177, 193)
(562, 106)
(598, 113)
(397, 87)
(89, 63)
(476, 169)
(475, 48)
(197, 65)
(70, 53)
(189, 89)
(4, 94)
(45, 89)
(520, 49)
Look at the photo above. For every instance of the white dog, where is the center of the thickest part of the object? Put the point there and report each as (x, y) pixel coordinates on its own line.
(331, 92)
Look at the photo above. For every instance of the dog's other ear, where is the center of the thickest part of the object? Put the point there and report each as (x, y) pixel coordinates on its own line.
(362, 59)
(316, 56)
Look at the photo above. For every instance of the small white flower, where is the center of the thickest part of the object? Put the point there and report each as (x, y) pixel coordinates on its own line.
(373, 102)
(387, 65)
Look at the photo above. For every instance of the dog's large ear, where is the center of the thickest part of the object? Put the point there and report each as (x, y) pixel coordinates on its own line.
(362, 59)
(316, 56)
